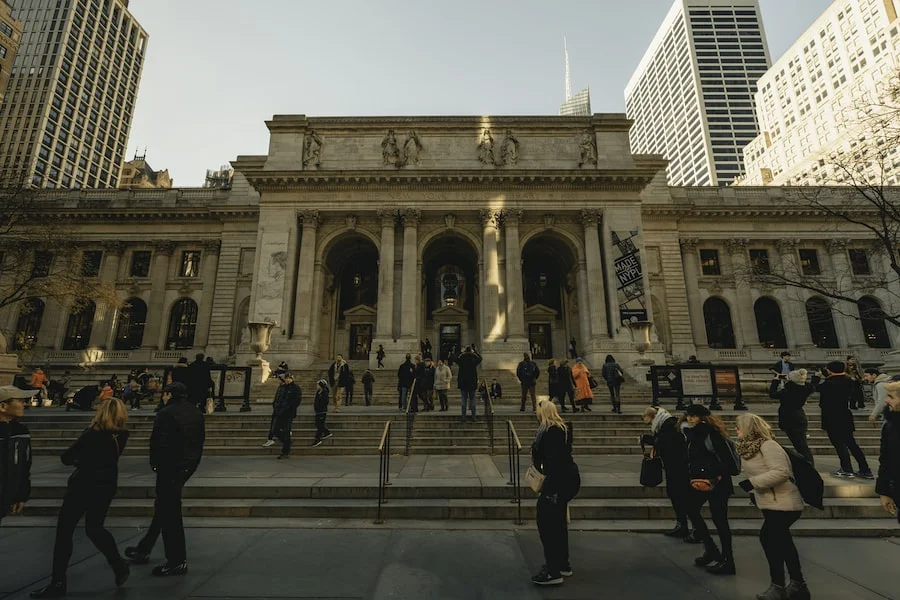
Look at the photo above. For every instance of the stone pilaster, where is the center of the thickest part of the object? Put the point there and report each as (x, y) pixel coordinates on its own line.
(490, 297)
(157, 315)
(744, 314)
(384, 327)
(691, 262)
(409, 324)
(596, 285)
(208, 270)
(848, 327)
(515, 296)
(290, 282)
(793, 308)
(103, 332)
(304, 309)
(584, 306)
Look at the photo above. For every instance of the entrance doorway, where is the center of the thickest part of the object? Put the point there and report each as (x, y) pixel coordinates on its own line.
(540, 341)
(450, 341)
(360, 341)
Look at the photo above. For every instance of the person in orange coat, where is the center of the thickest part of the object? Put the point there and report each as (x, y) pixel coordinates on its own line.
(106, 392)
(581, 374)
(39, 382)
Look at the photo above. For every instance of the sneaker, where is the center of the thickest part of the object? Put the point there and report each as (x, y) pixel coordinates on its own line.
(708, 558)
(317, 443)
(842, 473)
(864, 474)
(566, 571)
(327, 435)
(721, 567)
(283, 456)
(775, 592)
(546, 578)
(56, 589)
(269, 444)
(692, 539)
(134, 554)
(166, 570)
(679, 531)
(797, 590)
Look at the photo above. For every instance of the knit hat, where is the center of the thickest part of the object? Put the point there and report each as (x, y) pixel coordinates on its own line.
(322, 383)
(836, 367)
(697, 410)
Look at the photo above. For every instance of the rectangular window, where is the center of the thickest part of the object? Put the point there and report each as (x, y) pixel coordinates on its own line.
(709, 262)
(6, 29)
(248, 258)
(809, 262)
(759, 262)
(140, 263)
(190, 264)
(42, 262)
(859, 262)
(90, 263)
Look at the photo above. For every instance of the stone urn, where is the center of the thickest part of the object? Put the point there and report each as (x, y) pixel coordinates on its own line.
(640, 335)
(261, 336)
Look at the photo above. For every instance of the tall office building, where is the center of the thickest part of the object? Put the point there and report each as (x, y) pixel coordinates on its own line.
(814, 101)
(10, 35)
(576, 105)
(691, 97)
(68, 108)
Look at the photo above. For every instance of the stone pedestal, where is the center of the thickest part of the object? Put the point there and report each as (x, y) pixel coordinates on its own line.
(9, 364)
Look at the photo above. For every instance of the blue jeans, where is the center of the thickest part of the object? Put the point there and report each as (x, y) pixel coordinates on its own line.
(404, 392)
(467, 396)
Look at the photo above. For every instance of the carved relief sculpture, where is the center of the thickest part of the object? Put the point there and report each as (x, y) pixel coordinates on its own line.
(450, 220)
(390, 152)
(352, 220)
(411, 217)
(509, 149)
(411, 149)
(486, 148)
(312, 149)
(549, 220)
(587, 143)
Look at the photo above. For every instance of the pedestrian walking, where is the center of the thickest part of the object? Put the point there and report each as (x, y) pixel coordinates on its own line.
(320, 405)
(769, 477)
(551, 455)
(584, 392)
(426, 349)
(425, 383)
(442, 377)
(877, 380)
(835, 394)
(573, 350)
(669, 444)
(792, 393)
(854, 374)
(528, 373)
(176, 448)
(467, 380)
(566, 385)
(90, 490)
(284, 410)
(368, 381)
(406, 375)
(612, 374)
(711, 462)
(15, 451)
(199, 382)
(338, 378)
(379, 356)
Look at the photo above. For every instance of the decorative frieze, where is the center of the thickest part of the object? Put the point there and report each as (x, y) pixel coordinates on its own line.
(165, 248)
(490, 217)
(411, 217)
(311, 219)
(736, 245)
(591, 217)
(688, 245)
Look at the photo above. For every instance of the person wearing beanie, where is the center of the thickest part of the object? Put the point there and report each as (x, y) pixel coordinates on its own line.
(176, 447)
(320, 405)
(670, 446)
(835, 394)
(792, 394)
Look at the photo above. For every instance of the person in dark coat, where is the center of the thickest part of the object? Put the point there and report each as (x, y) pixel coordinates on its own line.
(320, 405)
(284, 410)
(566, 385)
(835, 393)
(425, 383)
(612, 374)
(783, 367)
(888, 483)
(573, 349)
(15, 451)
(91, 488)
(84, 398)
(199, 382)
(406, 374)
(791, 395)
(551, 455)
(368, 381)
(379, 356)
(528, 373)
(670, 445)
(339, 377)
(553, 382)
(176, 448)
(706, 445)
(467, 380)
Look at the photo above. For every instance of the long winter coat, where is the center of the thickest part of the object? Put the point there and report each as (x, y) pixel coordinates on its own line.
(888, 482)
(700, 456)
(581, 373)
(442, 377)
(467, 375)
(770, 473)
(834, 400)
(671, 447)
(792, 397)
(551, 453)
(564, 380)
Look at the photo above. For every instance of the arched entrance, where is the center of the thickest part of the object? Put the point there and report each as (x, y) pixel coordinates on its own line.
(548, 279)
(350, 271)
(450, 294)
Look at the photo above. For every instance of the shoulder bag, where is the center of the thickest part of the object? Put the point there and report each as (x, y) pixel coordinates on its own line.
(651, 470)
(534, 479)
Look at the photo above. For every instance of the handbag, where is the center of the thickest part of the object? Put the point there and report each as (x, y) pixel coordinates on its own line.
(651, 471)
(592, 381)
(535, 479)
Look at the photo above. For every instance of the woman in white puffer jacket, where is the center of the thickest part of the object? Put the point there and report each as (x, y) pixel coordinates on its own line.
(770, 478)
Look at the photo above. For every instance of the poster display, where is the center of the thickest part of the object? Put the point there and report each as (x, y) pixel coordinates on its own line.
(666, 381)
(629, 276)
(696, 382)
(728, 383)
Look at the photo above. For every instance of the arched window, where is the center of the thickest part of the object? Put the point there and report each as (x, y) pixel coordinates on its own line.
(130, 328)
(871, 318)
(182, 325)
(719, 331)
(78, 329)
(769, 324)
(30, 316)
(821, 323)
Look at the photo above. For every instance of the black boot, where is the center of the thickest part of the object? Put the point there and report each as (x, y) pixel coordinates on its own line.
(56, 589)
(711, 554)
(121, 570)
(722, 567)
(136, 555)
(680, 531)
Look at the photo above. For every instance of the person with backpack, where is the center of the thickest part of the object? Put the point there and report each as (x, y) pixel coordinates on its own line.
(612, 374)
(791, 395)
(887, 486)
(712, 460)
(528, 373)
(769, 477)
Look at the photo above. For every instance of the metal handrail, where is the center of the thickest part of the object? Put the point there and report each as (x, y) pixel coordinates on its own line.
(384, 469)
(488, 412)
(514, 447)
(410, 417)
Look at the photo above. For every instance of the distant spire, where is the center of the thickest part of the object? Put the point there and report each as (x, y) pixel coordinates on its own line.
(568, 72)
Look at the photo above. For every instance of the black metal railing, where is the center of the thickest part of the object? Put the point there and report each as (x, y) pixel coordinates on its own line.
(410, 416)
(384, 469)
(488, 412)
(514, 448)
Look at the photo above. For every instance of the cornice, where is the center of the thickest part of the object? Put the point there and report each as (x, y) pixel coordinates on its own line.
(461, 124)
(727, 212)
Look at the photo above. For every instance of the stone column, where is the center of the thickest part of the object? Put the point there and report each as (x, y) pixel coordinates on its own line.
(890, 297)
(208, 270)
(794, 309)
(103, 332)
(515, 295)
(409, 323)
(304, 310)
(584, 311)
(490, 298)
(849, 327)
(691, 264)
(743, 314)
(596, 285)
(384, 327)
(157, 319)
(290, 283)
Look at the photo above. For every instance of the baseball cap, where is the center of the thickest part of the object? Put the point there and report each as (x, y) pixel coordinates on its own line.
(11, 392)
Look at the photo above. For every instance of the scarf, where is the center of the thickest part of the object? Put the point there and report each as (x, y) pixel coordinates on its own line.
(661, 416)
(749, 447)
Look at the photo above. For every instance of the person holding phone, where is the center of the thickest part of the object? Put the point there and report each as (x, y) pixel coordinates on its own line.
(784, 366)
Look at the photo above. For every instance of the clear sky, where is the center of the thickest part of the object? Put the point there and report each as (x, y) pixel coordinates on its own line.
(217, 69)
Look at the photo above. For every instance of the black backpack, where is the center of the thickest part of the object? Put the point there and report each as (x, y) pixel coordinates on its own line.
(730, 463)
(807, 479)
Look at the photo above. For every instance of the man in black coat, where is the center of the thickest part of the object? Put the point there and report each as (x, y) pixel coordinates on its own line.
(284, 411)
(15, 451)
(837, 420)
(425, 383)
(888, 484)
(528, 373)
(670, 445)
(339, 377)
(199, 382)
(566, 385)
(406, 374)
(176, 447)
(467, 380)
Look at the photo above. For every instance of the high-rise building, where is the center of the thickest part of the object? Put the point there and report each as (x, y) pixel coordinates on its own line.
(813, 104)
(70, 101)
(10, 35)
(691, 96)
(576, 105)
